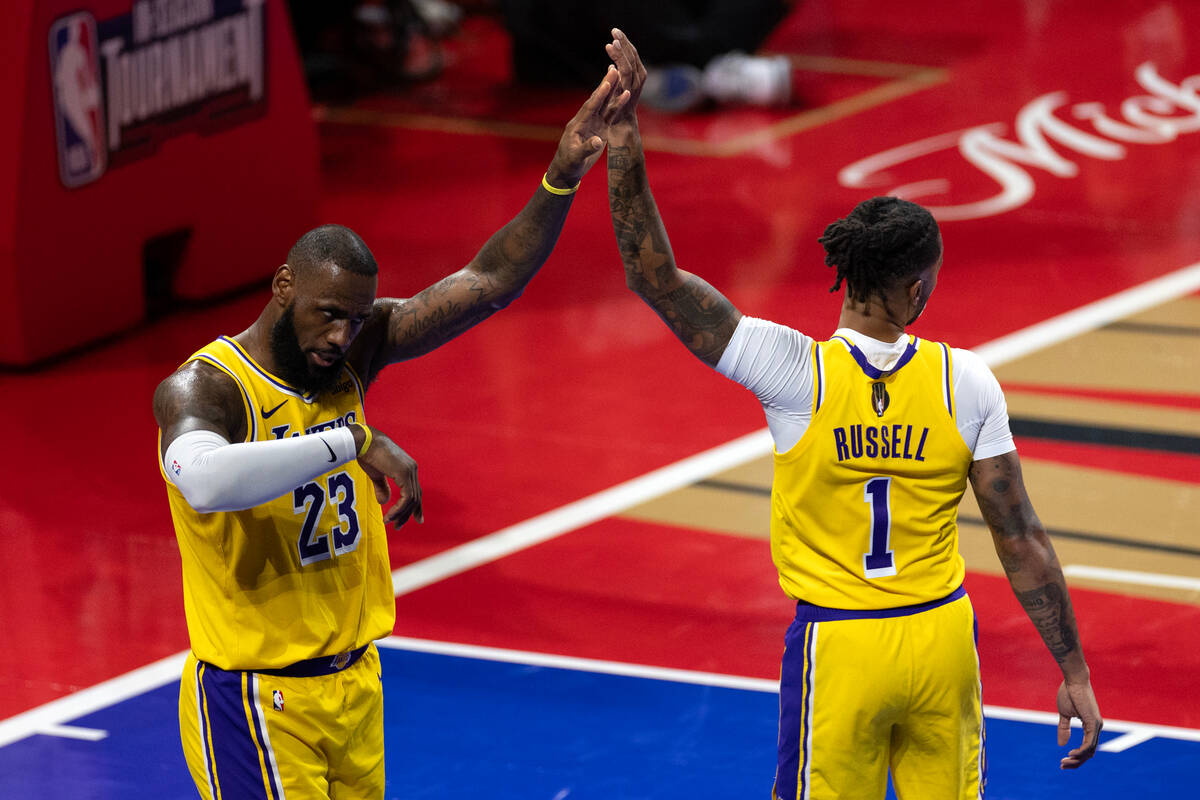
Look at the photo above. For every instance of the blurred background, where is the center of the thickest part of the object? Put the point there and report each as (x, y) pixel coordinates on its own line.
(159, 158)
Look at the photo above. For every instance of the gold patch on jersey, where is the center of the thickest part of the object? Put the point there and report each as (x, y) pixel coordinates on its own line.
(879, 398)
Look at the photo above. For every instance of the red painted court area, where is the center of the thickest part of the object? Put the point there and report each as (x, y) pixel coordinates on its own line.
(577, 387)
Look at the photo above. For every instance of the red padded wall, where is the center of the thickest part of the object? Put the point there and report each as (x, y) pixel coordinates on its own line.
(235, 168)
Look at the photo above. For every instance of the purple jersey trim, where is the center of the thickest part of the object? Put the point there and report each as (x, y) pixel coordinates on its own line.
(807, 612)
(872, 372)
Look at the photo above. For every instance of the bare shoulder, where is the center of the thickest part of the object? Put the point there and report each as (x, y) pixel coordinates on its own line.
(198, 396)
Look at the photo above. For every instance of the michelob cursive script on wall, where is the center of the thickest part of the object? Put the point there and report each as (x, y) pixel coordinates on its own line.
(1156, 118)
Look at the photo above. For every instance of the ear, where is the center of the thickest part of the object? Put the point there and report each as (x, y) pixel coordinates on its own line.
(283, 285)
(914, 292)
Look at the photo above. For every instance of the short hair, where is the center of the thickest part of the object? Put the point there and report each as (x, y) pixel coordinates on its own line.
(334, 244)
(881, 242)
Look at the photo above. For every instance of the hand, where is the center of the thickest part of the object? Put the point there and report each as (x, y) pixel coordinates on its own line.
(584, 138)
(384, 459)
(1078, 700)
(631, 71)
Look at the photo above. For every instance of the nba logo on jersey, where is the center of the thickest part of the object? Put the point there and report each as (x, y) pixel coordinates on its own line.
(277, 699)
(78, 99)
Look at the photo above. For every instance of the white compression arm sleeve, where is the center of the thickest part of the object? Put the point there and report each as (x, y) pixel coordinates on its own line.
(214, 475)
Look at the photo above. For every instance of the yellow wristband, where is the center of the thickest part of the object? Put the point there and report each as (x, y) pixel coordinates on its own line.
(366, 440)
(555, 190)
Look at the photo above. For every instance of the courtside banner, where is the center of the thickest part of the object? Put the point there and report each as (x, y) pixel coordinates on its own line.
(122, 85)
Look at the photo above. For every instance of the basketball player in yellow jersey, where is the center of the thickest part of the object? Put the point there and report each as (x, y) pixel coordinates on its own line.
(877, 433)
(275, 482)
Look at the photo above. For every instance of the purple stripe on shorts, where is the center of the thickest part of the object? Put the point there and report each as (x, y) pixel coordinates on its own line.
(807, 612)
(234, 755)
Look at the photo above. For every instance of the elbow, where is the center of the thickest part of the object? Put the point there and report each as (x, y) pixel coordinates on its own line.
(504, 300)
(204, 497)
(635, 281)
(202, 501)
(1018, 553)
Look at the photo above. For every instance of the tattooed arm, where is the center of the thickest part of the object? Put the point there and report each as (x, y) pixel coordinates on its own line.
(400, 329)
(1036, 578)
(698, 314)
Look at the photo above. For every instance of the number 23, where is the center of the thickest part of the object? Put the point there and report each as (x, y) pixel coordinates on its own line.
(309, 500)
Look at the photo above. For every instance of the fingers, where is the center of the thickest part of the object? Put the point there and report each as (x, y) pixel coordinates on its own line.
(398, 514)
(624, 54)
(1087, 748)
(616, 104)
(1091, 738)
(1076, 758)
(383, 490)
(418, 509)
(598, 95)
(1064, 730)
(623, 42)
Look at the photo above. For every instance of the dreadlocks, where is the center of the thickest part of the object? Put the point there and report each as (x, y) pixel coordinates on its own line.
(882, 241)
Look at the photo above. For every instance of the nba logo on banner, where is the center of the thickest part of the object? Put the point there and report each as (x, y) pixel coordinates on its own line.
(78, 99)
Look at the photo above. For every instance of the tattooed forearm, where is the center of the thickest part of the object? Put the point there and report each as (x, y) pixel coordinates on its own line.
(1049, 607)
(514, 254)
(641, 237)
(1027, 555)
(698, 314)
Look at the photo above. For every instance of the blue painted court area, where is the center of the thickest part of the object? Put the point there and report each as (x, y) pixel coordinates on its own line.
(467, 727)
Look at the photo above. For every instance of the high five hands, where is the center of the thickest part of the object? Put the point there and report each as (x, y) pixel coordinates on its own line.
(586, 134)
(630, 71)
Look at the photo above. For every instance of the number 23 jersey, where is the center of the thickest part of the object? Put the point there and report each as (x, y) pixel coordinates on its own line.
(301, 576)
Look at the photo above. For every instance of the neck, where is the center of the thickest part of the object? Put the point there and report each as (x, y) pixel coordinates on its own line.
(257, 340)
(871, 318)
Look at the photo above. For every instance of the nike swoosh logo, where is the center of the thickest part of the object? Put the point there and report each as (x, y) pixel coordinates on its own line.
(267, 414)
(332, 457)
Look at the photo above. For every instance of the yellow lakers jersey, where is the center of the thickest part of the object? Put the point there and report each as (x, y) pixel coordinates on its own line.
(302, 576)
(864, 507)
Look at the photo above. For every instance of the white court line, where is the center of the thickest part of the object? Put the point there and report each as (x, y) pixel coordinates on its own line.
(1093, 315)
(94, 698)
(606, 503)
(74, 732)
(1129, 576)
(579, 664)
(1131, 729)
(1122, 743)
(1134, 732)
(582, 512)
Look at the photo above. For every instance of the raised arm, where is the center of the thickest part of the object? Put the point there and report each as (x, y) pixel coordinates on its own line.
(698, 314)
(1033, 571)
(400, 329)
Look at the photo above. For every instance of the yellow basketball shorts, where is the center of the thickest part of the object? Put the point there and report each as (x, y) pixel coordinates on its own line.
(862, 692)
(254, 735)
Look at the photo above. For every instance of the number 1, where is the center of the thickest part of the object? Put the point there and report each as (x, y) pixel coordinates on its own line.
(879, 562)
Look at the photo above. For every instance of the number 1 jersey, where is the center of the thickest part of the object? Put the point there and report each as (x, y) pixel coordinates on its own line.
(301, 576)
(864, 506)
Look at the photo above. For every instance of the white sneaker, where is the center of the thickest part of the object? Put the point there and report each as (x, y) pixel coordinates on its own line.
(757, 80)
(440, 17)
(673, 88)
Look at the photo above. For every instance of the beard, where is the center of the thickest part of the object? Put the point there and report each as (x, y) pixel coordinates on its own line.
(291, 362)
